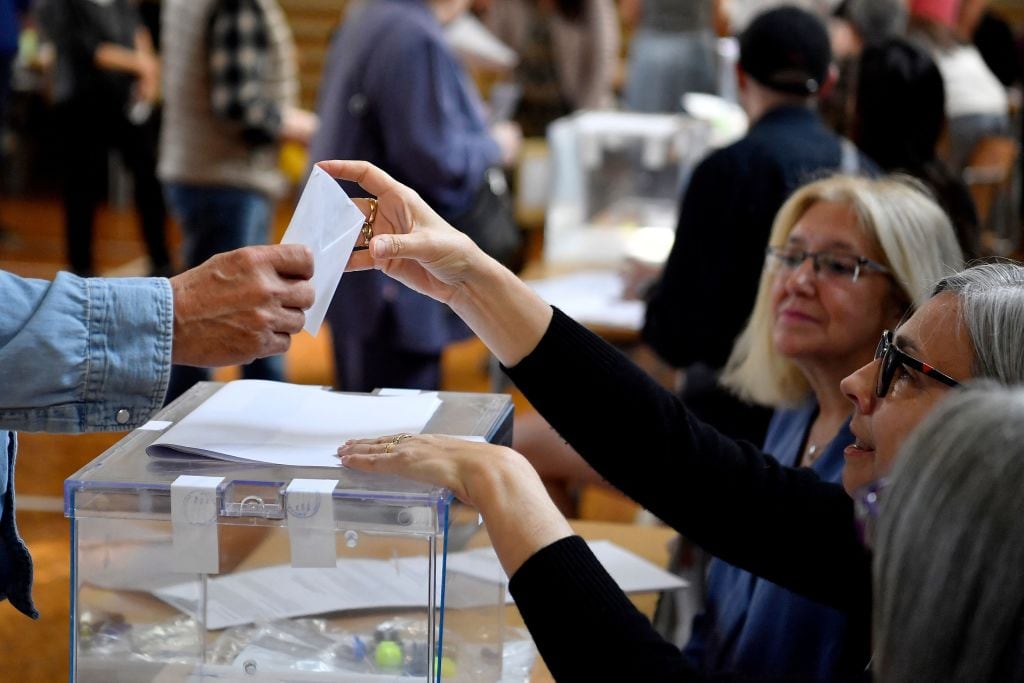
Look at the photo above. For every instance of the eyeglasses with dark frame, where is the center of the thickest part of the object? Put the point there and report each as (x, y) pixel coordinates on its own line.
(892, 357)
(825, 262)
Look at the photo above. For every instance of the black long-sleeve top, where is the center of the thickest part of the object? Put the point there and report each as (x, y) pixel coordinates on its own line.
(781, 523)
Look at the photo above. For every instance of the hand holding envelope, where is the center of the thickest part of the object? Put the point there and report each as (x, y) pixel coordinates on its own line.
(329, 223)
(412, 243)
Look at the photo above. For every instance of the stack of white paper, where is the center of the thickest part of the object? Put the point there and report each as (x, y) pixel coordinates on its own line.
(289, 424)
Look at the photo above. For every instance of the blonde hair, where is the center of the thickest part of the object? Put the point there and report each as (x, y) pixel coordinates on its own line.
(899, 217)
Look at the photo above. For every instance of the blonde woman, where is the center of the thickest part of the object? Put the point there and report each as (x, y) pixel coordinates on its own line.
(847, 258)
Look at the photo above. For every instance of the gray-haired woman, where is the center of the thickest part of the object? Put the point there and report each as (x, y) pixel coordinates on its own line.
(949, 562)
(974, 328)
(783, 524)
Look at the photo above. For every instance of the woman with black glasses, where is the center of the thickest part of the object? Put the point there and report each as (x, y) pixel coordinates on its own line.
(781, 523)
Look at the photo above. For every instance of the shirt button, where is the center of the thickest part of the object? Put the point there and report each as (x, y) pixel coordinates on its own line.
(123, 416)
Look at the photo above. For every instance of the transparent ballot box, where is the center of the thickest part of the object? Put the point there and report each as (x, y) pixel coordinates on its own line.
(197, 569)
(616, 178)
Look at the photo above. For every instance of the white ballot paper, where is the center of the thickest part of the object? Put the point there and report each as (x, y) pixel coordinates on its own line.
(327, 222)
(289, 424)
(281, 592)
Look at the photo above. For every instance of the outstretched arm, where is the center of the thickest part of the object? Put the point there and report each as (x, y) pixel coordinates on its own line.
(94, 354)
(639, 436)
(417, 247)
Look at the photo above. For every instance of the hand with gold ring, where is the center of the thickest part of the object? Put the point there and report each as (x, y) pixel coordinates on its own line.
(415, 246)
(409, 241)
(442, 460)
(367, 229)
(496, 480)
(389, 448)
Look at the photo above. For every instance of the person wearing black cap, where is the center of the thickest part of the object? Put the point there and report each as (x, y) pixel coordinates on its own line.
(724, 222)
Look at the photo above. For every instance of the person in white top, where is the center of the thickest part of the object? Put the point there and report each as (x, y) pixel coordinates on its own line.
(977, 104)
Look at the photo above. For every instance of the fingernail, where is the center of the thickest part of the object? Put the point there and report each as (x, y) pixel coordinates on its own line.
(344, 459)
(380, 248)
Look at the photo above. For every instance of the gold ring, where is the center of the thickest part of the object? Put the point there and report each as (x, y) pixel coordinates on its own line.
(400, 438)
(367, 228)
(390, 447)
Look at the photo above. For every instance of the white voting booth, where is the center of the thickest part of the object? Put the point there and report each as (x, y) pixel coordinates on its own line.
(192, 561)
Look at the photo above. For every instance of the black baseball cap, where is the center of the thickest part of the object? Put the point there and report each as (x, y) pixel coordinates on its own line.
(787, 49)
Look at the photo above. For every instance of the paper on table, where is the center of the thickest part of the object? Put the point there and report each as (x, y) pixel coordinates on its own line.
(289, 424)
(280, 592)
(327, 222)
(633, 573)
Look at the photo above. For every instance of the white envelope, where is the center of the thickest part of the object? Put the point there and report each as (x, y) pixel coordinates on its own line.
(327, 222)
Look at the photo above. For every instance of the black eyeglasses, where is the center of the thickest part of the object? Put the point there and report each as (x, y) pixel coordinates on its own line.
(825, 263)
(892, 358)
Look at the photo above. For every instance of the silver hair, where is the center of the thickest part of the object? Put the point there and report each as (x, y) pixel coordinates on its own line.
(992, 310)
(949, 553)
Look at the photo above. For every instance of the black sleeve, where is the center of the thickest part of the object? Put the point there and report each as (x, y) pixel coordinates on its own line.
(585, 627)
(783, 524)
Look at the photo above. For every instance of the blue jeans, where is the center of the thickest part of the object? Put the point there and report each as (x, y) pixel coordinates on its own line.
(663, 65)
(214, 220)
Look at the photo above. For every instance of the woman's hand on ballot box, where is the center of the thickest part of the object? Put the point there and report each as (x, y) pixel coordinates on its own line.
(414, 245)
(499, 482)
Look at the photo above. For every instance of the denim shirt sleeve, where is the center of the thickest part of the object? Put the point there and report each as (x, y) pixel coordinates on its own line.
(79, 355)
(75, 355)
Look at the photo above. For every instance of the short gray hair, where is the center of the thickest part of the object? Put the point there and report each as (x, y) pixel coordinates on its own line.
(992, 311)
(896, 213)
(949, 554)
